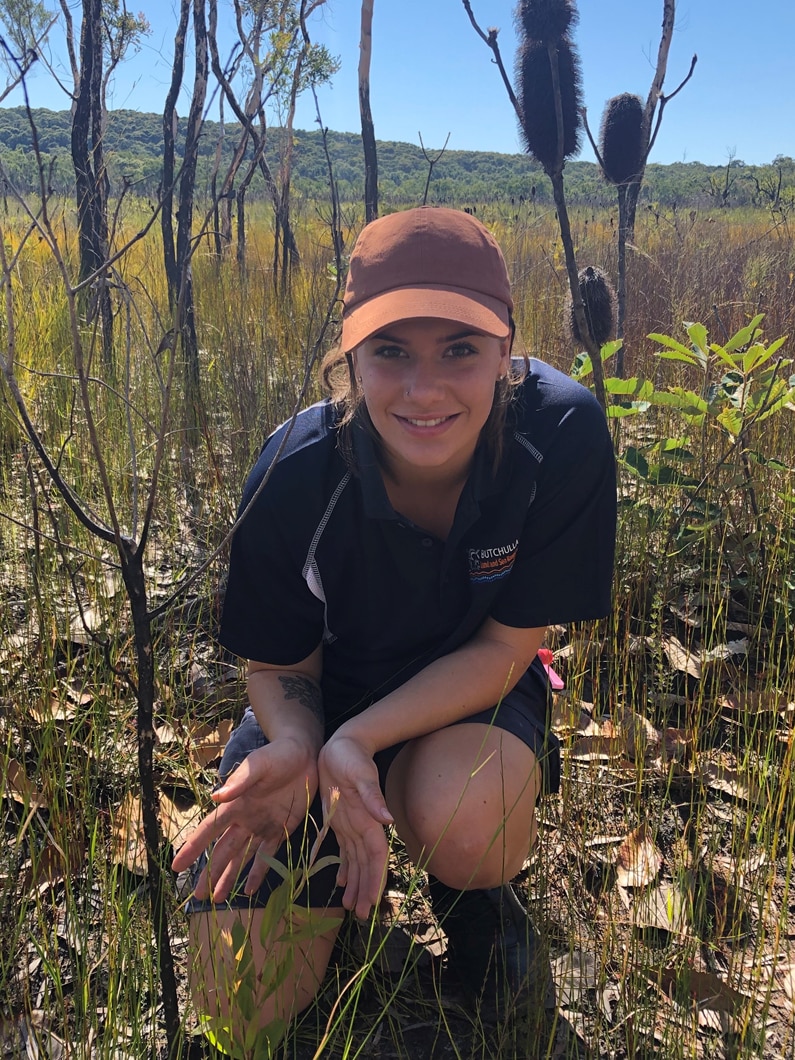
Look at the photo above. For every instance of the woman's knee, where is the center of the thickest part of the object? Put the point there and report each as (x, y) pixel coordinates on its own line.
(234, 973)
(461, 806)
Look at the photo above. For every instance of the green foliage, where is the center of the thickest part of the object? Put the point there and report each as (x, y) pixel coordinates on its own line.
(134, 149)
(23, 22)
(713, 483)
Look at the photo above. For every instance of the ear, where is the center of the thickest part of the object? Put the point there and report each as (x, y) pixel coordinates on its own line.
(505, 357)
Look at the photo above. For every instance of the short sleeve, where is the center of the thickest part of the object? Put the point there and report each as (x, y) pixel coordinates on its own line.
(564, 565)
(269, 613)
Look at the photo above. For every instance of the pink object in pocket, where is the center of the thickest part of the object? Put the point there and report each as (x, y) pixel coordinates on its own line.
(555, 680)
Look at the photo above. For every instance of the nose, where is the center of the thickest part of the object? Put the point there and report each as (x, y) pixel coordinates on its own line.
(423, 383)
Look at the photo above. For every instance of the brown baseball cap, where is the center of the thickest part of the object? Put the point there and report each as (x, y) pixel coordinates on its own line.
(426, 262)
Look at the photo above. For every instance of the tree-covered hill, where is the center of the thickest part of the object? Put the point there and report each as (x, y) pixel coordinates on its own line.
(134, 146)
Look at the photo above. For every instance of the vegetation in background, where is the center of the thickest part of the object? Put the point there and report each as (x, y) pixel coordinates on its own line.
(134, 150)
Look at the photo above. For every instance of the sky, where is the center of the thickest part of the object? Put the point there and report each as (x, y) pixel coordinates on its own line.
(431, 75)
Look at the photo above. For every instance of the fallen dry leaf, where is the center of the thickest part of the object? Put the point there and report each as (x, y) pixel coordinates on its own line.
(679, 657)
(637, 859)
(208, 742)
(677, 745)
(128, 841)
(755, 703)
(575, 974)
(724, 778)
(705, 988)
(569, 715)
(19, 787)
(663, 907)
(597, 748)
(641, 738)
(54, 863)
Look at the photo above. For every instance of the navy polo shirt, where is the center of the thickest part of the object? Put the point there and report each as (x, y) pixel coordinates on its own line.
(322, 555)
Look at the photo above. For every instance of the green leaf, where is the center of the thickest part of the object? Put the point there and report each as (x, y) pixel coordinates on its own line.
(731, 420)
(672, 344)
(634, 459)
(324, 862)
(744, 335)
(785, 401)
(698, 336)
(278, 867)
(274, 912)
(614, 385)
(720, 352)
(634, 408)
(581, 365)
(687, 356)
(674, 447)
(764, 461)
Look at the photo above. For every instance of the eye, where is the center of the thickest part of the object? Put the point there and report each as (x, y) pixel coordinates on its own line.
(388, 352)
(461, 349)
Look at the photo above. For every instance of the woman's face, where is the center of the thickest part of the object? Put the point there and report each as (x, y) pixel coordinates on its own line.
(429, 387)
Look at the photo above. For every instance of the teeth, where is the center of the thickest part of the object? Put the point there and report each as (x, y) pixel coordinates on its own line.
(427, 423)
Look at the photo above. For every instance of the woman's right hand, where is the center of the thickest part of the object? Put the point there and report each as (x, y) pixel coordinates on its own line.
(262, 802)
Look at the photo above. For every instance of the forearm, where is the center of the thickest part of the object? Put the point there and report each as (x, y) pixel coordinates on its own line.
(473, 678)
(287, 703)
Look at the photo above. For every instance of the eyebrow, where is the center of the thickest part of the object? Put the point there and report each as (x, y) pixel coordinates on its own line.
(382, 336)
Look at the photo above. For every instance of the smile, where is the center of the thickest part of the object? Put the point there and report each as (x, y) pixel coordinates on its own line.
(426, 423)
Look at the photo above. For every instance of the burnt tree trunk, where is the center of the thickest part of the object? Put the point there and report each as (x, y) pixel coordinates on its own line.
(133, 574)
(290, 257)
(368, 130)
(91, 180)
(169, 169)
(186, 321)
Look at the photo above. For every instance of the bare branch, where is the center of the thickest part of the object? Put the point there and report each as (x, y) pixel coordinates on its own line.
(584, 114)
(490, 39)
(665, 99)
(431, 163)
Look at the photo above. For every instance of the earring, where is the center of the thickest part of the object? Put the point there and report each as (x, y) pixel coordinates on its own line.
(358, 379)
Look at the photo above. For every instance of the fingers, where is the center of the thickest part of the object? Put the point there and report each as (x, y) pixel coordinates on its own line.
(373, 801)
(364, 858)
(203, 836)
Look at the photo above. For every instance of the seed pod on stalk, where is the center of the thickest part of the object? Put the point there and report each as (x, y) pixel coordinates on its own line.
(539, 125)
(599, 301)
(547, 21)
(621, 138)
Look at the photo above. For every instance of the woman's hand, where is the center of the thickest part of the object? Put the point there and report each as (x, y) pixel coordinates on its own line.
(358, 821)
(265, 799)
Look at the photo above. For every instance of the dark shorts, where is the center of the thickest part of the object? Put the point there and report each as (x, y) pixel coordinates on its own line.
(524, 712)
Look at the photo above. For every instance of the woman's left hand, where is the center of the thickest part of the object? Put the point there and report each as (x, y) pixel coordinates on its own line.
(358, 821)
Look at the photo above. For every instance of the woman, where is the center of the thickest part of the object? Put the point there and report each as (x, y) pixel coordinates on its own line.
(390, 586)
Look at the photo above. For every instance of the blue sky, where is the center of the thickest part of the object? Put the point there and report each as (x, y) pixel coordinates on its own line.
(431, 74)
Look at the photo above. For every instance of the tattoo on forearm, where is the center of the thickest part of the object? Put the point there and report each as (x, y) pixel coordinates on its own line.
(306, 692)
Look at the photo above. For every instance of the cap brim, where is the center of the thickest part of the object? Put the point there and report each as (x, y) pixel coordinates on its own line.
(478, 311)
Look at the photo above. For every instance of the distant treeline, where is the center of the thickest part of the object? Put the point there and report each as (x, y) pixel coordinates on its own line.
(134, 147)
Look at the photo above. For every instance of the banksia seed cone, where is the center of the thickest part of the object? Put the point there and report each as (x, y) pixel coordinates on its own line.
(599, 301)
(546, 20)
(537, 100)
(621, 138)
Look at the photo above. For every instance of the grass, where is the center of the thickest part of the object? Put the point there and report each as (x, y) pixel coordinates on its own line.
(677, 723)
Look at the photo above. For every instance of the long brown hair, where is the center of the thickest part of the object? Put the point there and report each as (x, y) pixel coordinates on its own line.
(339, 379)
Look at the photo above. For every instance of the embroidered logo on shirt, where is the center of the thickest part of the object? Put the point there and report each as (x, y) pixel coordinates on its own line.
(489, 564)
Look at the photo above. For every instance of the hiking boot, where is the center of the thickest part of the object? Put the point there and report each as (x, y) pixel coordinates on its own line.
(493, 948)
